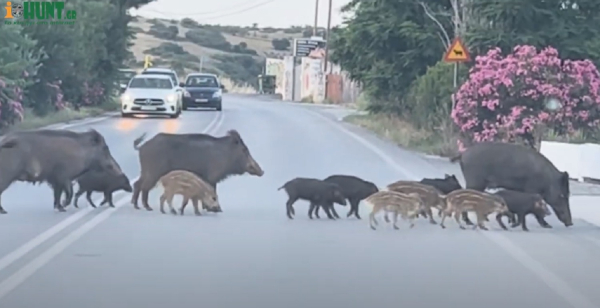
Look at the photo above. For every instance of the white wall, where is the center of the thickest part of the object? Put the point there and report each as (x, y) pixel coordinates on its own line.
(579, 160)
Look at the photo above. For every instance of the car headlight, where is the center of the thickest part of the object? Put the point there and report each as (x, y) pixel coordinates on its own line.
(126, 99)
(172, 98)
(217, 93)
(186, 94)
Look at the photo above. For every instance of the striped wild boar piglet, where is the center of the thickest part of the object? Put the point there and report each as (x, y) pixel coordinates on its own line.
(521, 204)
(469, 200)
(354, 189)
(405, 205)
(317, 192)
(430, 195)
(190, 186)
(104, 181)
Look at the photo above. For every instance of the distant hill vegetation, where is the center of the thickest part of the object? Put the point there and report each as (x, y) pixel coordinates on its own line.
(231, 51)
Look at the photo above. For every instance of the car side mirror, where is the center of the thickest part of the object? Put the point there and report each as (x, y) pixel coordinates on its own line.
(181, 84)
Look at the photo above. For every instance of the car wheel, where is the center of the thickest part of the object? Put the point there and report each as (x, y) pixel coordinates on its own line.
(126, 115)
(184, 107)
(174, 116)
(219, 108)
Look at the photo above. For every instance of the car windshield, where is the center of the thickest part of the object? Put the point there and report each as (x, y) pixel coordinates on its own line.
(125, 77)
(150, 83)
(172, 75)
(202, 81)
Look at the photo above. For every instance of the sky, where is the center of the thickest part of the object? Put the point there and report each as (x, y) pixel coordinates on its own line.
(267, 13)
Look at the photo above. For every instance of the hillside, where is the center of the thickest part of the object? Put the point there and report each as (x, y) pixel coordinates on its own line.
(234, 52)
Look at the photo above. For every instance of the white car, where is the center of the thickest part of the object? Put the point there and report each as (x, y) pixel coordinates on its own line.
(151, 94)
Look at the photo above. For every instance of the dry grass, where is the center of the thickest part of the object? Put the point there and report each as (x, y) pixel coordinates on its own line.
(441, 142)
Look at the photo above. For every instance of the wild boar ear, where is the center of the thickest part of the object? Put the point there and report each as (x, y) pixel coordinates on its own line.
(235, 136)
(96, 137)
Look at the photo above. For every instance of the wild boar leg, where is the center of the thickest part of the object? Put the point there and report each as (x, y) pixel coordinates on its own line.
(429, 213)
(521, 216)
(69, 193)
(480, 220)
(385, 217)
(77, 195)
(311, 209)
(184, 203)
(162, 199)
(395, 219)
(457, 217)
(57, 190)
(354, 208)
(171, 208)
(335, 214)
(444, 215)
(88, 196)
(108, 198)
(542, 221)
(499, 220)
(137, 186)
(327, 208)
(196, 209)
(290, 208)
(411, 219)
(372, 221)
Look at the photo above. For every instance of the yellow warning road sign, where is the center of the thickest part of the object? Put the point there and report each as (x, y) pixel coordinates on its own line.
(147, 62)
(457, 52)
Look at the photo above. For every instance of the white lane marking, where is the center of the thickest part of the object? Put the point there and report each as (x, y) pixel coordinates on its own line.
(30, 268)
(555, 283)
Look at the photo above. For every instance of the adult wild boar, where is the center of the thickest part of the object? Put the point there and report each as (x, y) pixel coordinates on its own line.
(210, 158)
(516, 167)
(63, 156)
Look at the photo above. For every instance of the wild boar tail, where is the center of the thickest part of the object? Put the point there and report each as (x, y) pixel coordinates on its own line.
(456, 158)
(140, 139)
(280, 188)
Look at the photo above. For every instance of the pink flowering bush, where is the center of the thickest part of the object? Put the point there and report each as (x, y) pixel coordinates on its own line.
(11, 109)
(92, 95)
(504, 97)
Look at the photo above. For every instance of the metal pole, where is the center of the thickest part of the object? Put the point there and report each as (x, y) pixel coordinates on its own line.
(325, 65)
(316, 17)
(327, 37)
(201, 63)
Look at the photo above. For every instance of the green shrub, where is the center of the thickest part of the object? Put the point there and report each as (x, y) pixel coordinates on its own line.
(189, 23)
(208, 38)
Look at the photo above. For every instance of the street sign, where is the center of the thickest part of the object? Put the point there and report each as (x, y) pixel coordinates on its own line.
(147, 62)
(303, 47)
(457, 52)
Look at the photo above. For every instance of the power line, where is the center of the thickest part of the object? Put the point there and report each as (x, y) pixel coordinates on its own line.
(240, 11)
(202, 13)
(227, 14)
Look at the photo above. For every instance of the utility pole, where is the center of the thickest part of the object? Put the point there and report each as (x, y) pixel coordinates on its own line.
(327, 37)
(201, 64)
(316, 17)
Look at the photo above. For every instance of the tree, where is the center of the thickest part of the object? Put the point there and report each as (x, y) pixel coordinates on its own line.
(505, 97)
(281, 44)
(570, 27)
(17, 63)
(386, 45)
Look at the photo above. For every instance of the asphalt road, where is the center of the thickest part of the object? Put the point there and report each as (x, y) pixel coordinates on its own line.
(251, 255)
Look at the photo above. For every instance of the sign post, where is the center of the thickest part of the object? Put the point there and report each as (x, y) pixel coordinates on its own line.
(456, 53)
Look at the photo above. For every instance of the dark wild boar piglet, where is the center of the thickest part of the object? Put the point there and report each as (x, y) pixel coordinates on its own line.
(63, 156)
(190, 186)
(354, 189)
(516, 167)
(521, 204)
(101, 181)
(210, 158)
(446, 185)
(315, 191)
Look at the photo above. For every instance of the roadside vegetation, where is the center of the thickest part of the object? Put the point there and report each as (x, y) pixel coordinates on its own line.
(395, 52)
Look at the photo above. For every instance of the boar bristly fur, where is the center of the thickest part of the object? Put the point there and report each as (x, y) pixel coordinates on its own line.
(469, 200)
(405, 205)
(191, 187)
(354, 189)
(317, 192)
(101, 181)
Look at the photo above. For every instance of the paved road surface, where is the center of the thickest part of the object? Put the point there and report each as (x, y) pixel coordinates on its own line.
(251, 255)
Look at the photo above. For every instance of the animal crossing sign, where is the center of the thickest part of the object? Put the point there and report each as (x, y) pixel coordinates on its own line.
(457, 52)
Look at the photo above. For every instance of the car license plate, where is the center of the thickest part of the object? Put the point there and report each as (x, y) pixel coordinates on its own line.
(148, 108)
(201, 100)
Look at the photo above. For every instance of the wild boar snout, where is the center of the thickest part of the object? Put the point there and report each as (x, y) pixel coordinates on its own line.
(253, 168)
